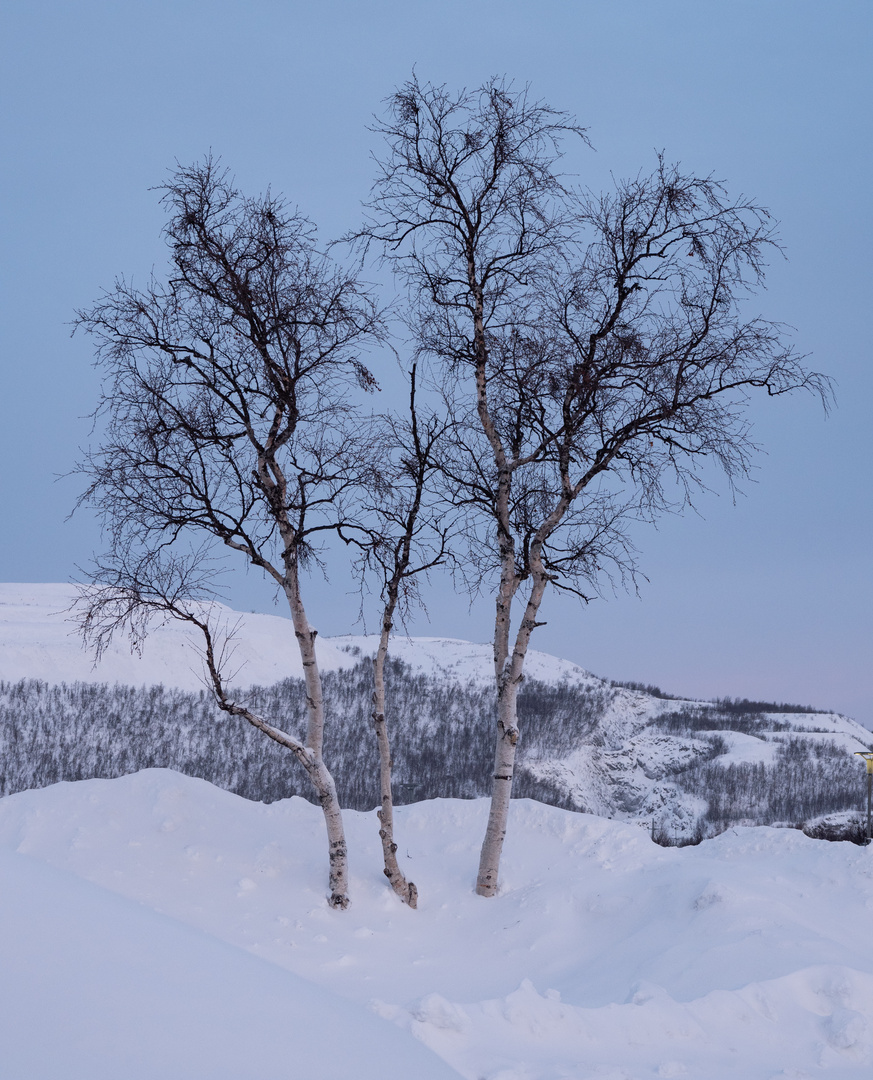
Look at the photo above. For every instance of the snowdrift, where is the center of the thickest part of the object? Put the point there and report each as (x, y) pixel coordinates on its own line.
(603, 956)
(97, 987)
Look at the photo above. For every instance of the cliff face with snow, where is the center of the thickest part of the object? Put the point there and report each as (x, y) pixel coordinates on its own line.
(682, 767)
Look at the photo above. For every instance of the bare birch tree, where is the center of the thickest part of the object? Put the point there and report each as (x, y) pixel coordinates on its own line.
(226, 425)
(406, 537)
(594, 348)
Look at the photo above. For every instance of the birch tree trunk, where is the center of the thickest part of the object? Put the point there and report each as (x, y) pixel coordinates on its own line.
(509, 680)
(501, 787)
(406, 890)
(319, 774)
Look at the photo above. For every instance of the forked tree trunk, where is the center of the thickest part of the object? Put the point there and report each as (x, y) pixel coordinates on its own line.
(509, 679)
(406, 890)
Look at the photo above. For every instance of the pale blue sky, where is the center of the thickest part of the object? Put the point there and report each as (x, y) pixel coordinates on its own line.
(768, 598)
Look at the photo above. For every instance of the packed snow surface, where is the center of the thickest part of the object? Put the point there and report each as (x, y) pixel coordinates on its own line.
(97, 987)
(155, 925)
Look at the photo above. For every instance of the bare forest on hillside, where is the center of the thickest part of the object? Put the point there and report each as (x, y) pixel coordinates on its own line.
(442, 749)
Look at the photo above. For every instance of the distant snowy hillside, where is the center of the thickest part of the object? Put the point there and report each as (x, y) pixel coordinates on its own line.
(683, 768)
(155, 926)
(38, 640)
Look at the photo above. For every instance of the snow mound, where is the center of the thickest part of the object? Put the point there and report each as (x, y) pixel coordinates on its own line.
(819, 1017)
(96, 987)
(603, 955)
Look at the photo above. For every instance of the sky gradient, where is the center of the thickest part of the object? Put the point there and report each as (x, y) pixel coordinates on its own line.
(767, 598)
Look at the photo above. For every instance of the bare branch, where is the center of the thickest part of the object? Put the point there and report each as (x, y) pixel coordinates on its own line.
(594, 348)
(228, 423)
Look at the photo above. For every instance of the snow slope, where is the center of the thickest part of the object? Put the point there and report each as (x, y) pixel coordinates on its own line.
(38, 640)
(97, 987)
(603, 956)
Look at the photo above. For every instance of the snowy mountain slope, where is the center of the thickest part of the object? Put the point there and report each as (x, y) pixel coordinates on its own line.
(603, 956)
(647, 774)
(604, 749)
(459, 661)
(38, 640)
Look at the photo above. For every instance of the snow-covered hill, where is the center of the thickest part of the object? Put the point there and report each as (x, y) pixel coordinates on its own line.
(39, 640)
(154, 925)
(678, 766)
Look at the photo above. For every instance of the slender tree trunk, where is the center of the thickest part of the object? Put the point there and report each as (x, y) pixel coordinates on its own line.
(318, 772)
(336, 839)
(508, 682)
(501, 787)
(308, 756)
(406, 890)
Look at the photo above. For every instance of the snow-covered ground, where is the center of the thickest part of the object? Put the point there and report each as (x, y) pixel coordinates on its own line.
(157, 926)
(97, 987)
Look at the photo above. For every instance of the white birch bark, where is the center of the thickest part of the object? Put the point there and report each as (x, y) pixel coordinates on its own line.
(508, 682)
(275, 485)
(308, 753)
(315, 766)
(406, 890)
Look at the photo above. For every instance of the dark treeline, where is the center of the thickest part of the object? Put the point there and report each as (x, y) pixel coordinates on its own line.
(644, 688)
(806, 780)
(743, 705)
(442, 737)
(693, 719)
